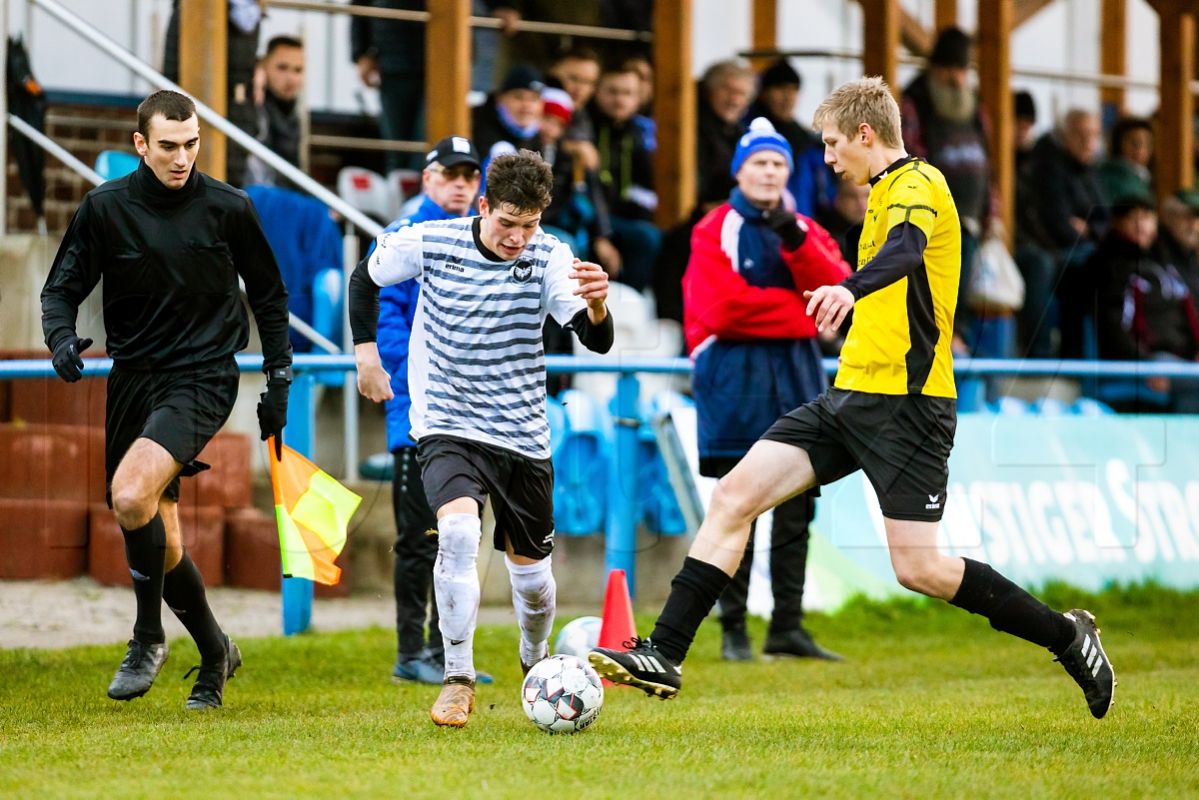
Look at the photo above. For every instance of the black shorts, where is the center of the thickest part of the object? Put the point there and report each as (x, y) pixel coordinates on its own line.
(901, 442)
(521, 489)
(180, 409)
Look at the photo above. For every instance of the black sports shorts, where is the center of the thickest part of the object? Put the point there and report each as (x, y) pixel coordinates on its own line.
(901, 442)
(521, 489)
(180, 409)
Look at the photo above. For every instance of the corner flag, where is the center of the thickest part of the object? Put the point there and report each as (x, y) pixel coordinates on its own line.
(312, 511)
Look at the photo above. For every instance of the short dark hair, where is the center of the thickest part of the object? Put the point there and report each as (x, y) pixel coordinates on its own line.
(171, 105)
(579, 52)
(1125, 126)
(522, 180)
(283, 40)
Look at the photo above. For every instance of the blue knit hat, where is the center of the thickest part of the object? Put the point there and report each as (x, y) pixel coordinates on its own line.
(761, 136)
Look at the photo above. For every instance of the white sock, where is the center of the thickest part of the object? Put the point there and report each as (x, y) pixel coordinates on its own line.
(534, 595)
(456, 584)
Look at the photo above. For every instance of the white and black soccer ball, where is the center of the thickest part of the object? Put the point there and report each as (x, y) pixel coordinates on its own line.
(562, 694)
(578, 637)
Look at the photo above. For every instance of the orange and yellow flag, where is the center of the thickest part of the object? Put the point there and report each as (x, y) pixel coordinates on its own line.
(313, 512)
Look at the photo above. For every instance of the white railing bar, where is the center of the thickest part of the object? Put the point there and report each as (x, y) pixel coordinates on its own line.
(72, 21)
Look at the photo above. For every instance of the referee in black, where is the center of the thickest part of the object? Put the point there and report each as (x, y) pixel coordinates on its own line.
(170, 244)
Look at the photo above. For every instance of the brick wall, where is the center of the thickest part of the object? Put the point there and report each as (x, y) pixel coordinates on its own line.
(84, 131)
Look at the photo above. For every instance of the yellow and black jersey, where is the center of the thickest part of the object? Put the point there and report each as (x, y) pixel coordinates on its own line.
(905, 286)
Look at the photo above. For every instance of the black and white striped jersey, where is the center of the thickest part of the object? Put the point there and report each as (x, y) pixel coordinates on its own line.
(476, 361)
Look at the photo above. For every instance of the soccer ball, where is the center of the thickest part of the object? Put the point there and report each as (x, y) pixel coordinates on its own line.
(562, 694)
(578, 637)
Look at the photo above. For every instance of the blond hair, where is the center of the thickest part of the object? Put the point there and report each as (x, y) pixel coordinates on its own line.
(866, 100)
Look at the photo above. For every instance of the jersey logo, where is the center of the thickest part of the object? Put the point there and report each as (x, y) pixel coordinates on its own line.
(522, 271)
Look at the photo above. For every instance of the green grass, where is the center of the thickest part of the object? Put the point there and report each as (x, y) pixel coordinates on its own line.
(931, 703)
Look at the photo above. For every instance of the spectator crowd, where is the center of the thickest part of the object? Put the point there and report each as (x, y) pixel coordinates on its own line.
(1096, 268)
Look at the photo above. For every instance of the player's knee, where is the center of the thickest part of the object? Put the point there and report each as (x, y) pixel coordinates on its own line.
(732, 503)
(132, 507)
(458, 542)
(532, 583)
(917, 574)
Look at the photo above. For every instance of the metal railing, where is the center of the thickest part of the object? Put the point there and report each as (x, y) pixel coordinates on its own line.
(1100, 79)
(531, 26)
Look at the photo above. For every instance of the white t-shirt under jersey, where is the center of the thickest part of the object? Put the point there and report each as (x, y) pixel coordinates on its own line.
(476, 361)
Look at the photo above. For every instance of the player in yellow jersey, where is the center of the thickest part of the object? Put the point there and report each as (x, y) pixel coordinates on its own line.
(890, 413)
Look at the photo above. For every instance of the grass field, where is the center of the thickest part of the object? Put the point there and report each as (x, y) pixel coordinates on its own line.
(930, 703)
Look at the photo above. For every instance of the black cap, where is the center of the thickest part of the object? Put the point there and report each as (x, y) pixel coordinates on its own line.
(1123, 206)
(1026, 107)
(522, 76)
(952, 49)
(779, 73)
(451, 151)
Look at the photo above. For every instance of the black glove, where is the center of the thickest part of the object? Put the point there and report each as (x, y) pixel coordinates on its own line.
(67, 361)
(787, 226)
(272, 413)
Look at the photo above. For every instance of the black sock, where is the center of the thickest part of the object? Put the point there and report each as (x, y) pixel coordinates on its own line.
(183, 591)
(1011, 609)
(693, 592)
(145, 550)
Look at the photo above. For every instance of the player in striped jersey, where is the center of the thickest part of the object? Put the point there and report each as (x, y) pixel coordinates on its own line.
(477, 380)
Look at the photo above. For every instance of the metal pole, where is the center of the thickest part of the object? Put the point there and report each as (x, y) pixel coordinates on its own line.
(54, 148)
(296, 593)
(620, 545)
(4, 115)
(350, 385)
(272, 159)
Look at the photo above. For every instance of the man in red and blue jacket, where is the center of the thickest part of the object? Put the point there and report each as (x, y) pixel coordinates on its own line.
(756, 357)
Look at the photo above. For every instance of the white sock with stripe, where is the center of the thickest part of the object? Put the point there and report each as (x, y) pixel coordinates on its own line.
(534, 596)
(456, 584)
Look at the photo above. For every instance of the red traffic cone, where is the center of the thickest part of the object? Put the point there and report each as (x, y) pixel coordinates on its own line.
(618, 626)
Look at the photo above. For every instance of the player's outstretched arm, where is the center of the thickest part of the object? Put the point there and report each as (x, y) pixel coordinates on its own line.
(828, 306)
(593, 325)
(373, 381)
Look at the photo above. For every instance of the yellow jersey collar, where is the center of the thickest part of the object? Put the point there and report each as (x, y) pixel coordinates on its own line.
(894, 166)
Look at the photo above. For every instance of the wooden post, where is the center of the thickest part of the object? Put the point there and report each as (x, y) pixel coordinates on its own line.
(945, 15)
(765, 30)
(880, 55)
(447, 69)
(674, 163)
(995, 19)
(1175, 168)
(1113, 15)
(203, 72)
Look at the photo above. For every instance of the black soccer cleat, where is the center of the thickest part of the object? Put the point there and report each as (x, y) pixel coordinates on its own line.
(643, 666)
(138, 670)
(796, 643)
(1088, 665)
(209, 689)
(735, 646)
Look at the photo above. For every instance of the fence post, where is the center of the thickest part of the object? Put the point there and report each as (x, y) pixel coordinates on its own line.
(620, 545)
(296, 593)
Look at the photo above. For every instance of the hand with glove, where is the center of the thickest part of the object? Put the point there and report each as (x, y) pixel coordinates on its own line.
(272, 412)
(787, 225)
(68, 362)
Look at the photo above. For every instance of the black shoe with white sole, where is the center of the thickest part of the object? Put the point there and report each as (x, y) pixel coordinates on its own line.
(1088, 665)
(643, 666)
(209, 689)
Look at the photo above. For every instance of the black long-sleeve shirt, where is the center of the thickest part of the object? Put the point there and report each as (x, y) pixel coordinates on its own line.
(170, 259)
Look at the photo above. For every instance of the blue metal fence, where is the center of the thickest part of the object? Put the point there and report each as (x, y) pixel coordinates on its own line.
(620, 537)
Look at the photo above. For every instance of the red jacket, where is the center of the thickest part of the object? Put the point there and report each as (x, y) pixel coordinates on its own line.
(719, 300)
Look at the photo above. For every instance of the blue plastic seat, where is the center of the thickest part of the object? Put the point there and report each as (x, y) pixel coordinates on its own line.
(326, 316)
(1011, 406)
(1089, 407)
(113, 164)
(581, 466)
(656, 498)
(1050, 407)
(972, 395)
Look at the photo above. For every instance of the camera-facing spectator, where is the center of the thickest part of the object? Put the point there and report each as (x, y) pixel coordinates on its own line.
(811, 185)
(843, 219)
(282, 71)
(1146, 311)
(725, 92)
(1125, 172)
(511, 117)
(627, 173)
